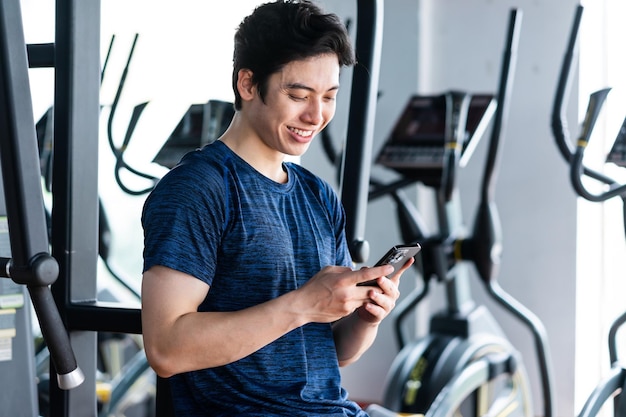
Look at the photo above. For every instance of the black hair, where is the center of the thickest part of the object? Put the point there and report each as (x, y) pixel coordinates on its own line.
(284, 31)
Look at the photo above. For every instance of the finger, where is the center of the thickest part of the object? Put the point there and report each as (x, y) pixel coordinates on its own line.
(377, 313)
(407, 264)
(396, 277)
(381, 271)
(369, 275)
(386, 300)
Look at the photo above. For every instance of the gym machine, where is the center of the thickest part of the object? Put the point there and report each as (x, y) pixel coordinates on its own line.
(464, 365)
(29, 261)
(73, 242)
(62, 284)
(614, 384)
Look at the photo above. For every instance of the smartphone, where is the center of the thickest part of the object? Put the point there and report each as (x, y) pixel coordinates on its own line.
(396, 257)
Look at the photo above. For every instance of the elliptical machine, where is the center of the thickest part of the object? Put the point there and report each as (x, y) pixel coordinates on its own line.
(614, 384)
(465, 364)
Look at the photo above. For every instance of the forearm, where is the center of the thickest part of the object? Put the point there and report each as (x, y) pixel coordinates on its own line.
(177, 338)
(353, 337)
(208, 339)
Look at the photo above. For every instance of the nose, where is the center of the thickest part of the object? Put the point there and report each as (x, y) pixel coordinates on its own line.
(315, 112)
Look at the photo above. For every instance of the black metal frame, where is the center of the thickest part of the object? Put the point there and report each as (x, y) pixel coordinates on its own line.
(31, 263)
(355, 179)
(75, 56)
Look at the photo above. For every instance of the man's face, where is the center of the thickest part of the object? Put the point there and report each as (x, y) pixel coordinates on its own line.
(299, 103)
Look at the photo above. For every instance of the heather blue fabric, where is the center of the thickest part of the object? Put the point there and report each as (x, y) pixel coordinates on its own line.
(251, 239)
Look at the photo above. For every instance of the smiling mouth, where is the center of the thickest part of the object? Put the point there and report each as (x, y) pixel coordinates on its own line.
(300, 132)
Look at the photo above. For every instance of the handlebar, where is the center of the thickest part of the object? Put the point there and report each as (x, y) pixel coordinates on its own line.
(577, 168)
(574, 155)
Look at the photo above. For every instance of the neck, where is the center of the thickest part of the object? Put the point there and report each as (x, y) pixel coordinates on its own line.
(249, 147)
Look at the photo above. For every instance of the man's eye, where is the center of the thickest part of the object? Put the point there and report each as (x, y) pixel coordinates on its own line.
(296, 98)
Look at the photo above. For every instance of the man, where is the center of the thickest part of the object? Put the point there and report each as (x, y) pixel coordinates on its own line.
(250, 303)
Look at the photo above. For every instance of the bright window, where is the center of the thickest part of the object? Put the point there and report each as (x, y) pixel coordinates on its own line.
(601, 281)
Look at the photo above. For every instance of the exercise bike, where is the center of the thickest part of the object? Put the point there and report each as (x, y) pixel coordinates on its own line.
(614, 384)
(465, 364)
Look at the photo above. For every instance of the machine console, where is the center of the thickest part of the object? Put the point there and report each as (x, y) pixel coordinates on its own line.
(418, 140)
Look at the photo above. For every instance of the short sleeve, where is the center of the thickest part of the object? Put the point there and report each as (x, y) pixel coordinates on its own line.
(183, 222)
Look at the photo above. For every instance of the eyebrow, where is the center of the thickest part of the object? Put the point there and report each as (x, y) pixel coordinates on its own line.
(299, 86)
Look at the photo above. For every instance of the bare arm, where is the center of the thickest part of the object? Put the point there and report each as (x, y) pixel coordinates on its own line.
(178, 338)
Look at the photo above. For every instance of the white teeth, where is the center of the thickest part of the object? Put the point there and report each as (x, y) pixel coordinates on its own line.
(303, 133)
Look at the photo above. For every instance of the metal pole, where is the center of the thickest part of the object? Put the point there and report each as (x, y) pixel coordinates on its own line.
(358, 153)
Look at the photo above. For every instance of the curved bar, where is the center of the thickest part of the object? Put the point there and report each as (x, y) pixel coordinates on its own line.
(576, 172)
(541, 341)
(404, 307)
(484, 247)
(596, 100)
(619, 404)
(559, 124)
(116, 99)
(613, 336)
(486, 241)
(559, 121)
(358, 152)
(118, 152)
(505, 85)
(605, 390)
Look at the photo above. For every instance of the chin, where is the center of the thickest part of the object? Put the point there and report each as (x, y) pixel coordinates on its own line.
(298, 150)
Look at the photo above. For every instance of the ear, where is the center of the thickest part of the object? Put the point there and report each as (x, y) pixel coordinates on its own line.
(245, 85)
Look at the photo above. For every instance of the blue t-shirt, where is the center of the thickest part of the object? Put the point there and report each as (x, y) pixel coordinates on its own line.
(251, 239)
